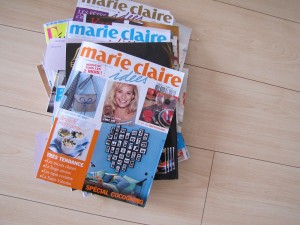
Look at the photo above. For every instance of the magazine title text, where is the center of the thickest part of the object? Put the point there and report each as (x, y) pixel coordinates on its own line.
(141, 10)
(143, 69)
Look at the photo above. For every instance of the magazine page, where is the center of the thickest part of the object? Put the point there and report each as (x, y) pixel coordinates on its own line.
(184, 39)
(59, 85)
(183, 153)
(112, 20)
(111, 33)
(124, 9)
(55, 29)
(103, 139)
(54, 59)
(167, 168)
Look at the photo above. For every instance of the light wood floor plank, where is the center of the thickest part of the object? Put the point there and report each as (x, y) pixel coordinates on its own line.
(242, 117)
(225, 38)
(246, 191)
(179, 201)
(288, 9)
(21, 86)
(17, 211)
(241, 42)
(31, 14)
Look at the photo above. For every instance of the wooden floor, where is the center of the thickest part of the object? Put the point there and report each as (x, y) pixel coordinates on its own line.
(242, 120)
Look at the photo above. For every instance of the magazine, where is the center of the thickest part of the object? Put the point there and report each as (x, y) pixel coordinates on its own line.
(111, 33)
(123, 9)
(103, 139)
(183, 153)
(159, 53)
(56, 92)
(56, 29)
(54, 59)
(184, 39)
(121, 21)
(167, 168)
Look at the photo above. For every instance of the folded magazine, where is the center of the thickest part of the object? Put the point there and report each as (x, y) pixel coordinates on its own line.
(103, 139)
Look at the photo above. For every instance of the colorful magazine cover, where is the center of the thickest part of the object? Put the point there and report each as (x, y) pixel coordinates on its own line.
(112, 20)
(56, 29)
(111, 33)
(123, 9)
(159, 53)
(102, 140)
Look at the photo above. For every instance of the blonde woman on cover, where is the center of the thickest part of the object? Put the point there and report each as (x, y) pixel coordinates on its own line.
(121, 105)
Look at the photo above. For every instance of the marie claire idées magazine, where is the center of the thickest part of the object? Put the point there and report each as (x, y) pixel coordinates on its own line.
(104, 139)
(122, 9)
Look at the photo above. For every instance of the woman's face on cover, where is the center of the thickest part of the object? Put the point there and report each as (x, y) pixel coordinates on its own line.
(124, 95)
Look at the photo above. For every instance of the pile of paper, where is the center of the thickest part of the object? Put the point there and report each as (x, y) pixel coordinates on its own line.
(116, 84)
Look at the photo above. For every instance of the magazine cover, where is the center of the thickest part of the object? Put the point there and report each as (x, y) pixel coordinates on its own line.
(159, 53)
(103, 140)
(122, 8)
(121, 21)
(111, 33)
(55, 29)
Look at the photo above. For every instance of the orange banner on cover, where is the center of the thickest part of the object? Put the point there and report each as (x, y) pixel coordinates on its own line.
(62, 169)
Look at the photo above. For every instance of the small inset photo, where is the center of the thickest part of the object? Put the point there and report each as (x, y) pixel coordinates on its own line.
(72, 141)
(158, 108)
(83, 93)
(121, 103)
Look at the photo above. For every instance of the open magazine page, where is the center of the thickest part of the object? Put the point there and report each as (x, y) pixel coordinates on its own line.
(124, 9)
(103, 139)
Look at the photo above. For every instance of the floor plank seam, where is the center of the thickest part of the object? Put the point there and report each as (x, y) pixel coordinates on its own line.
(75, 210)
(20, 28)
(282, 164)
(211, 167)
(234, 75)
(242, 156)
(266, 14)
(230, 74)
(24, 110)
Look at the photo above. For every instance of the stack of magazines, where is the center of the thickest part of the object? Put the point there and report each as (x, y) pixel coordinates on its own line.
(116, 85)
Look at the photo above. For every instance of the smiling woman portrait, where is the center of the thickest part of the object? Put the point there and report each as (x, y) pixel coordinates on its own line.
(121, 104)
